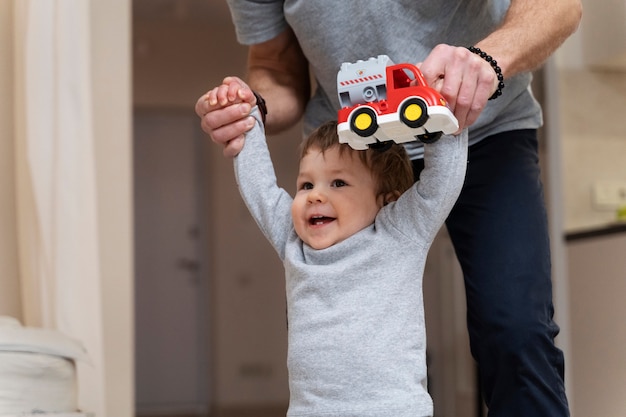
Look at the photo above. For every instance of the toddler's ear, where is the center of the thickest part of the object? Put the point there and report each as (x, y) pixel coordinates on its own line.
(391, 196)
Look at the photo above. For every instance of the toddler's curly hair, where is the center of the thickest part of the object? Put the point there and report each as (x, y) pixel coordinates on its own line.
(390, 167)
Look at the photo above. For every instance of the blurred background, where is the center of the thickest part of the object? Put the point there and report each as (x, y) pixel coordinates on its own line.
(178, 298)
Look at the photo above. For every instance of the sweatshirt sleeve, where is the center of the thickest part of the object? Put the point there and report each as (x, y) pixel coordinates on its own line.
(422, 209)
(269, 205)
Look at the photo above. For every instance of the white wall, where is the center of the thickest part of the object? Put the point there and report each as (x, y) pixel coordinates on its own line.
(112, 101)
(9, 280)
(591, 69)
(593, 105)
(604, 33)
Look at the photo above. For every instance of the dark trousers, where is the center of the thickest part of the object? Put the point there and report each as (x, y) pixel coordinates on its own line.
(500, 234)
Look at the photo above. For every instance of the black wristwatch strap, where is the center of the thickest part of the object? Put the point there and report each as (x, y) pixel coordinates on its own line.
(260, 102)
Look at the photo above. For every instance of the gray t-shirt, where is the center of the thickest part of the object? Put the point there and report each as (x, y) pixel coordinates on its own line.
(332, 32)
(356, 335)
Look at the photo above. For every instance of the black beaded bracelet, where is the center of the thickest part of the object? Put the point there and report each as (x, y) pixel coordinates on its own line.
(494, 65)
(260, 102)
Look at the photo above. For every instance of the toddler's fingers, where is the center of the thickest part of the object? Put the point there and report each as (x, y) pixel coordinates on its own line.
(223, 95)
(205, 103)
(233, 91)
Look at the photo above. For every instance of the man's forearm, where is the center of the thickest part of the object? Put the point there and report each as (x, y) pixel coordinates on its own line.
(285, 104)
(532, 30)
(279, 71)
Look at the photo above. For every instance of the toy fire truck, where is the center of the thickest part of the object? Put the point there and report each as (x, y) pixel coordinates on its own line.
(381, 101)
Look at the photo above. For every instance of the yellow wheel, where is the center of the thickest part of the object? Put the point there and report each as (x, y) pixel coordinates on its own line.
(414, 112)
(363, 122)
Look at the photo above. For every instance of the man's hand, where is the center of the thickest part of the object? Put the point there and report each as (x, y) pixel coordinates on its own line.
(530, 32)
(225, 114)
(465, 80)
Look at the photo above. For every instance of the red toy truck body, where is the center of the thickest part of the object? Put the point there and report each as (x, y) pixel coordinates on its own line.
(383, 101)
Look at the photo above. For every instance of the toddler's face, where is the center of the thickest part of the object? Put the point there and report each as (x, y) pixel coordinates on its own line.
(336, 197)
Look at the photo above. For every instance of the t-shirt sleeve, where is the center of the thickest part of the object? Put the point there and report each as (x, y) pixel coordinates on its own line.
(257, 21)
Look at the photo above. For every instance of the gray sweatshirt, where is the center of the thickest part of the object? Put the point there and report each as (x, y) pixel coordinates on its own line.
(357, 342)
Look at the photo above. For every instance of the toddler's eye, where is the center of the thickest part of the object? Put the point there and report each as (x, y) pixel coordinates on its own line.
(306, 186)
(339, 183)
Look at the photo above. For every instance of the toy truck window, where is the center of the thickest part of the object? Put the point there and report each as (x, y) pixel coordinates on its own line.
(344, 98)
(402, 78)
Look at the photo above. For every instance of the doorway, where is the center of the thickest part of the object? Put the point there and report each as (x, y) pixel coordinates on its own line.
(171, 275)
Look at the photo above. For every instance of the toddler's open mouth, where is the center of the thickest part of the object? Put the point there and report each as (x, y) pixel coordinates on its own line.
(320, 220)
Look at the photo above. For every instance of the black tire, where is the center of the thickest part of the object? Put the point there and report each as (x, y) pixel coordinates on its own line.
(414, 112)
(430, 137)
(381, 146)
(363, 122)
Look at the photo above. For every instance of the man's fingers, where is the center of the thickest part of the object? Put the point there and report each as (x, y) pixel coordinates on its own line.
(229, 131)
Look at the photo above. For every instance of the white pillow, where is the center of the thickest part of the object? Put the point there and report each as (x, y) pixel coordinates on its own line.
(15, 338)
(37, 370)
(36, 383)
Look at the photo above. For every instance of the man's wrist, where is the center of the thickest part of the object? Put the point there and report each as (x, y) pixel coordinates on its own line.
(494, 65)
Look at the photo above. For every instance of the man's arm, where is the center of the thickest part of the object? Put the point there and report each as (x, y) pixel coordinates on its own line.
(279, 72)
(530, 32)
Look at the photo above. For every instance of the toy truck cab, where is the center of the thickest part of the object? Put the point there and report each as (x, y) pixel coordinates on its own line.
(382, 101)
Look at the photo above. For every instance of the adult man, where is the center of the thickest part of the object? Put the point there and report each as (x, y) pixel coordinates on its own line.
(498, 226)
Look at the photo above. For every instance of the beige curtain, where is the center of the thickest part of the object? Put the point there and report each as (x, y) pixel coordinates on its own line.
(57, 217)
